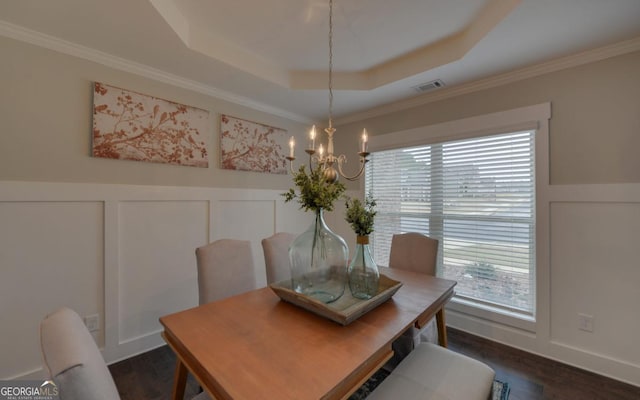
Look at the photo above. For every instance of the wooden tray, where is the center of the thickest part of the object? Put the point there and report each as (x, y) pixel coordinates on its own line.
(344, 310)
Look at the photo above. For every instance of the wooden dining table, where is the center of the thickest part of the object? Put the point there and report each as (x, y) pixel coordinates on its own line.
(255, 346)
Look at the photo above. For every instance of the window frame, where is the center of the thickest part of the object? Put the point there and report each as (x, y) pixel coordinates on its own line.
(535, 118)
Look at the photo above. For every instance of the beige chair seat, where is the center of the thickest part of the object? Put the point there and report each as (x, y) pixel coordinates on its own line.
(436, 373)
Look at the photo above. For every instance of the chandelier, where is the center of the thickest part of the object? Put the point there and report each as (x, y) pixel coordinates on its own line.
(325, 159)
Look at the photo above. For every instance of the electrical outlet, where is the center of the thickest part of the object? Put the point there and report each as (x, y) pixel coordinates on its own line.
(92, 322)
(585, 322)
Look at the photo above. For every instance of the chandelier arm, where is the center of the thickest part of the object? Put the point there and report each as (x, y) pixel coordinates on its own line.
(291, 159)
(312, 157)
(342, 159)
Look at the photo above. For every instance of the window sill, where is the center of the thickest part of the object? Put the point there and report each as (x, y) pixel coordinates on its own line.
(495, 314)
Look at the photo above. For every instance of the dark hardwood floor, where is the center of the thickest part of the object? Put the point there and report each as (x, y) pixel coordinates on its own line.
(149, 376)
(532, 377)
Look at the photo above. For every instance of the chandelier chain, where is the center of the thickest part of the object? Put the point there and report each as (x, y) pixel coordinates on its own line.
(329, 164)
(330, 63)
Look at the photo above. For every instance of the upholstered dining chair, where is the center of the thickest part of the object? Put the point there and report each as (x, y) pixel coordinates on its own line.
(72, 359)
(276, 256)
(415, 252)
(225, 268)
(433, 372)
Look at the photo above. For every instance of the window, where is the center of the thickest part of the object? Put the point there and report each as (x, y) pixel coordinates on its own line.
(477, 196)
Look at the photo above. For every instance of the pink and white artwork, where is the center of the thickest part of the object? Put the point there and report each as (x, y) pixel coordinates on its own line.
(249, 146)
(133, 126)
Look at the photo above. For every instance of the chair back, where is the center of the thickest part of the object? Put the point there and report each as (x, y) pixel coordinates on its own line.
(225, 268)
(276, 256)
(414, 252)
(72, 359)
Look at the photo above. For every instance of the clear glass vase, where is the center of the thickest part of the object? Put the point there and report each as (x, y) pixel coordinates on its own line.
(318, 259)
(364, 275)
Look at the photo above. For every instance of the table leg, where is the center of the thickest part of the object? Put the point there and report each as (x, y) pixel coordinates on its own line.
(442, 328)
(179, 381)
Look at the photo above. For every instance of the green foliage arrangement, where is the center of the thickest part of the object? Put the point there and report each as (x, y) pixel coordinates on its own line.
(361, 216)
(315, 192)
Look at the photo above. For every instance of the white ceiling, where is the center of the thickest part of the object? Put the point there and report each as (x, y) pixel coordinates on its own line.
(275, 52)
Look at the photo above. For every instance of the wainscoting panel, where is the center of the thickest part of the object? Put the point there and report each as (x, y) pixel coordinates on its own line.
(123, 252)
(595, 271)
(51, 254)
(157, 263)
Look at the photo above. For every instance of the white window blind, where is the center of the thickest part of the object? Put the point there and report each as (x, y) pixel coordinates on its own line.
(477, 196)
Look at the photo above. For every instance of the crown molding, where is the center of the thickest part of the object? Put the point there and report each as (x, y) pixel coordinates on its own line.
(558, 64)
(62, 46)
(199, 38)
(50, 42)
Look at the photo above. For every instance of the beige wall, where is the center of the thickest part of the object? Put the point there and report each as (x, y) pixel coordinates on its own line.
(595, 124)
(45, 109)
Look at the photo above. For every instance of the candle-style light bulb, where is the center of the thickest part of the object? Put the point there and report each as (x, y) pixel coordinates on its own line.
(312, 138)
(365, 138)
(292, 144)
(320, 150)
